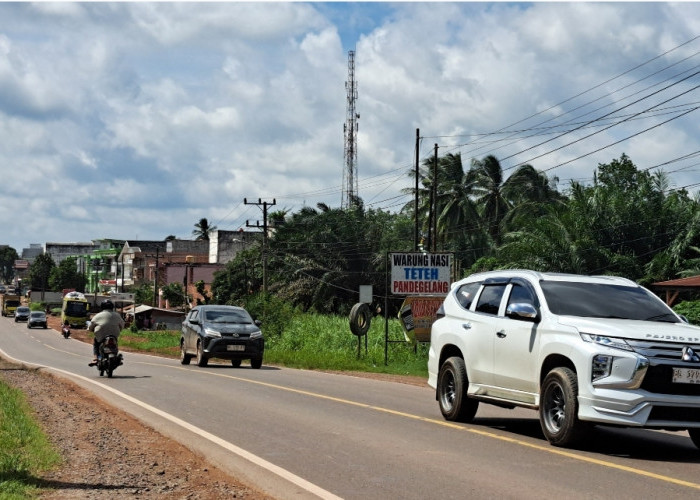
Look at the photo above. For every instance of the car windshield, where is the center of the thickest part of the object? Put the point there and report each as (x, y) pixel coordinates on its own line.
(22, 309)
(37, 314)
(598, 300)
(238, 316)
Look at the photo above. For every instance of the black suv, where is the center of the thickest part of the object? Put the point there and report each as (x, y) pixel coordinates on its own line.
(21, 313)
(226, 332)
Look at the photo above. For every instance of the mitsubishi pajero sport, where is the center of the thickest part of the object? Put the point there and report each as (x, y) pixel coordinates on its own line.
(582, 350)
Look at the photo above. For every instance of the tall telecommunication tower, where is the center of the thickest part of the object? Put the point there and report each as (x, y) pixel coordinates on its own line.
(350, 128)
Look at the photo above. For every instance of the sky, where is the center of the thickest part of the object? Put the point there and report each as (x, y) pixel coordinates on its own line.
(135, 120)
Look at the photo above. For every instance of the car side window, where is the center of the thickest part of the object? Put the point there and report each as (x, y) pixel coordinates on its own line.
(521, 294)
(466, 293)
(194, 314)
(490, 299)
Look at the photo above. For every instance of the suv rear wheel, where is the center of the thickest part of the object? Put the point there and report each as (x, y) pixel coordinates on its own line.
(452, 391)
(559, 408)
(184, 357)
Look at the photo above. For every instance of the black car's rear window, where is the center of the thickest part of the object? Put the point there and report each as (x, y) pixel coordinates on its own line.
(597, 300)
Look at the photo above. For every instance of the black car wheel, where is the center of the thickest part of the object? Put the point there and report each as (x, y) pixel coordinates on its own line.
(202, 360)
(452, 392)
(256, 363)
(184, 357)
(559, 408)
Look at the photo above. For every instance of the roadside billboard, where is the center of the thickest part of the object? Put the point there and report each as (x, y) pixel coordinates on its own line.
(417, 273)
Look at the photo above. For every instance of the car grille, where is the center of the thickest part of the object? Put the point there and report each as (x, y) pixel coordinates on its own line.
(663, 356)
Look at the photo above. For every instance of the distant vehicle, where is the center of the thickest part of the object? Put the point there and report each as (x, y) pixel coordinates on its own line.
(225, 332)
(22, 313)
(8, 304)
(74, 310)
(38, 319)
(3, 289)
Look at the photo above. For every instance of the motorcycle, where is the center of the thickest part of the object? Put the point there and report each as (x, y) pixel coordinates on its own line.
(66, 331)
(109, 356)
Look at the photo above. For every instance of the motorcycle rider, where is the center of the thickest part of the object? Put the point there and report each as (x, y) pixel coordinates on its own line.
(104, 323)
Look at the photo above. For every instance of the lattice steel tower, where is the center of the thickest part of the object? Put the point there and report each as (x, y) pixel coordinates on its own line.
(350, 134)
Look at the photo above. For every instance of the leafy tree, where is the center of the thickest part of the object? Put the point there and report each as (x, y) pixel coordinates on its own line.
(206, 298)
(66, 276)
(8, 256)
(202, 230)
(143, 294)
(40, 271)
(174, 293)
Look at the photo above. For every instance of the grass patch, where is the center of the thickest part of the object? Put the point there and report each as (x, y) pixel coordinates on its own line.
(24, 449)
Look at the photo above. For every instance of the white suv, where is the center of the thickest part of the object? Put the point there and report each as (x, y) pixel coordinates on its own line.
(582, 350)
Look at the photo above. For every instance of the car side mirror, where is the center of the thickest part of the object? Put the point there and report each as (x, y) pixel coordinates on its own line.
(522, 311)
(194, 321)
(257, 322)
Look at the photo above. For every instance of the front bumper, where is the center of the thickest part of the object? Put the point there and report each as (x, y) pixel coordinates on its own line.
(219, 348)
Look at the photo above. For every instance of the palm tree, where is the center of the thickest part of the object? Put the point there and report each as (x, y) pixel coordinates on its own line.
(202, 230)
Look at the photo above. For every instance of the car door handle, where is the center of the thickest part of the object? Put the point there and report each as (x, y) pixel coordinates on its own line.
(501, 334)
(467, 326)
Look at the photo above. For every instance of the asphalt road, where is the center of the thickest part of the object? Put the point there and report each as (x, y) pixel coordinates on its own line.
(304, 434)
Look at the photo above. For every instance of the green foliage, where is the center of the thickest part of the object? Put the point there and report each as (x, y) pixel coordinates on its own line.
(144, 294)
(40, 271)
(8, 256)
(274, 313)
(323, 342)
(66, 276)
(206, 298)
(24, 449)
(174, 293)
(689, 309)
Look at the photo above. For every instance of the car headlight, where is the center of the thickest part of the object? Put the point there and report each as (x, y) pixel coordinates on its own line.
(209, 332)
(256, 335)
(604, 340)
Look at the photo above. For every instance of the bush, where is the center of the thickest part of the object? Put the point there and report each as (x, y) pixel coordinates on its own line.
(690, 309)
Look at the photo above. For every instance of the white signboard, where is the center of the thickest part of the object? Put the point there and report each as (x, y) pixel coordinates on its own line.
(420, 273)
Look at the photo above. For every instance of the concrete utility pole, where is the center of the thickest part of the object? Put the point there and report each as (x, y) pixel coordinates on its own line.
(264, 205)
(350, 129)
(155, 281)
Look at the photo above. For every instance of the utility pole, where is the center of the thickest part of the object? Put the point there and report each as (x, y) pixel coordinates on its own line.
(155, 281)
(415, 215)
(435, 203)
(264, 205)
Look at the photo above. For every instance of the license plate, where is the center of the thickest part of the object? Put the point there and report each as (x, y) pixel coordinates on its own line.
(242, 348)
(686, 375)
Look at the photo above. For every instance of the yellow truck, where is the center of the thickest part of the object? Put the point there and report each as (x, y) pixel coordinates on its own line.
(8, 304)
(74, 309)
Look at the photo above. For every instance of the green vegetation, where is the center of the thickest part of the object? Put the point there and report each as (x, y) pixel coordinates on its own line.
(24, 449)
(690, 309)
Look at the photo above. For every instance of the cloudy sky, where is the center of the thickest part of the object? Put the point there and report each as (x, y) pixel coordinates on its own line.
(135, 120)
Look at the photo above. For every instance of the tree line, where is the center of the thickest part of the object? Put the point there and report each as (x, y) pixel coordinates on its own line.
(627, 222)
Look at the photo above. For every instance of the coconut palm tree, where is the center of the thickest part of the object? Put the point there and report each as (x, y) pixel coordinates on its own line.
(202, 230)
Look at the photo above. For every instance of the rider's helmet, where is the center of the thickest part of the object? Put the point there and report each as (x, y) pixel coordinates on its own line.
(107, 304)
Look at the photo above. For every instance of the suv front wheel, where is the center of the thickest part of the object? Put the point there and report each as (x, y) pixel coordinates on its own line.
(559, 408)
(452, 391)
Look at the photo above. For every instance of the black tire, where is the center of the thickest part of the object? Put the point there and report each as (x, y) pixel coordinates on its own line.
(695, 436)
(184, 357)
(559, 408)
(102, 372)
(202, 360)
(360, 319)
(256, 363)
(235, 363)
(109, 373)
(452, 392)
